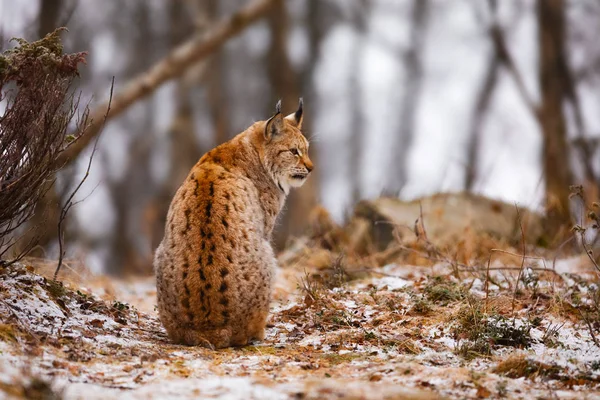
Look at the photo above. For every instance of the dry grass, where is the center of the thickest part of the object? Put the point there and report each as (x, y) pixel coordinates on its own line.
(478, 331)
(519, 366)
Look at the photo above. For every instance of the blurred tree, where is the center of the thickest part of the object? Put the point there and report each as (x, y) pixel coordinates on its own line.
(360, 16)
(130, 191)
(482, 105)
(412, 89)
(320, 17)
(184, 149)
(193, 17)
(556, 88)
(552, 73)
(285, 84)
(216, 91)
(48, 16)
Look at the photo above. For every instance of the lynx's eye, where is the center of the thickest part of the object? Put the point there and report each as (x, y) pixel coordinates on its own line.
(295, 152)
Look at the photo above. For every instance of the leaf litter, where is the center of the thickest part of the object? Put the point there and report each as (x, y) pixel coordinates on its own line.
(397, 331)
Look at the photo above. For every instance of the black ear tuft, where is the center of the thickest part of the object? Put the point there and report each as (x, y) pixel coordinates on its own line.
(298, 113)
(278, 107)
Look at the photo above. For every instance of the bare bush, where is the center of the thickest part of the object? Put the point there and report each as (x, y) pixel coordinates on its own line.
(39, 107)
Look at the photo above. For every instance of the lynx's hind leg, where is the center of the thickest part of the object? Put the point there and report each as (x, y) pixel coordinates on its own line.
(213, 339)
(257, 325)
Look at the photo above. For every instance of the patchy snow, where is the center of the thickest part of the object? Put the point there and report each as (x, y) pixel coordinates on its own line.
(392, 283)
(361, 340)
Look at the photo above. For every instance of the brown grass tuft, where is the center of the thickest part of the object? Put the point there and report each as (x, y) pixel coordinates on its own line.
(518, 366)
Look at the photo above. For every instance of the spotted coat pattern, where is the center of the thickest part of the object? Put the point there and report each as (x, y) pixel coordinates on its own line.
(214, 267)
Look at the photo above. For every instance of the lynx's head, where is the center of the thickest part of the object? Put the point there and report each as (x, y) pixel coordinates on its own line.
(285, 152)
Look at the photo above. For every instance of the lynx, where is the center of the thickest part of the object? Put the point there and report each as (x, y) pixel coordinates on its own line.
(215, 264)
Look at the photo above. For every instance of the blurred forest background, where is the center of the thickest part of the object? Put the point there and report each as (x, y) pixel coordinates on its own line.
(402, 97)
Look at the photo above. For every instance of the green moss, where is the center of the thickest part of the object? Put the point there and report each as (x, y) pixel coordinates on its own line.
(7, 333)
(56, 289)
(474, 349)
(269, 350)
(422, 306)
(478, 332)
(336, 359)
(442, 291)
(120, 306)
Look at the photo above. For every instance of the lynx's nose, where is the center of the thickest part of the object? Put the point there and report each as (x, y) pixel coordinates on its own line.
(309, 166)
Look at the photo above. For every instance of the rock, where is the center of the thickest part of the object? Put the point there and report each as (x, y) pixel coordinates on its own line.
(447, 218)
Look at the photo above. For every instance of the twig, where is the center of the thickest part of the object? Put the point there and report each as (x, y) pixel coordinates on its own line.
(589, 252)
(433, 258)
(487, 280)
(563, 244)
(69, 203)
(516, 269)
(518, 255)
(590, 328)
(522, 260)
(577, 191)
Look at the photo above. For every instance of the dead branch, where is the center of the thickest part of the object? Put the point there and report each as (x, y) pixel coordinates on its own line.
(69, 202)
(173, 65)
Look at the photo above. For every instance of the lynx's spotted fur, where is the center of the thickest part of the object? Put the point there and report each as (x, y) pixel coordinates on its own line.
(215, 264)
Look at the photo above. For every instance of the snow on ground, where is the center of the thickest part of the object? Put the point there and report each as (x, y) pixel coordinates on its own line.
(399, 332)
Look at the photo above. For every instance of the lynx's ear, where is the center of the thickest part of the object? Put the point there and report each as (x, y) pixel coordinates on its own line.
(296, 118)
(274, 125)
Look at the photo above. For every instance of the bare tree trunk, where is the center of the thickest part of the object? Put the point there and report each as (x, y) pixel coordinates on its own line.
(184, 149)
(131, 192)
(412, 86)
(48, 18)
(283, 77)
(556, 163)
(581, 144)
(357, 125)
(482, 105)
(217, 95)
(285, 85)
(320, 18)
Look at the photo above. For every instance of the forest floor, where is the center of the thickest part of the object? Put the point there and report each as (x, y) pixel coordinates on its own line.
(338, 329)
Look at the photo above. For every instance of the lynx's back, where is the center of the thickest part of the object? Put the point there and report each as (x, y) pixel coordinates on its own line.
(215, 265)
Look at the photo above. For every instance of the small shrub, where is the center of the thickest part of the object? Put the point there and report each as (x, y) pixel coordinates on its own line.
(519, 366)
(443, 291)
(481, 331)
(35, 80)
(7, 333)
(55, 288)
(421, 306)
